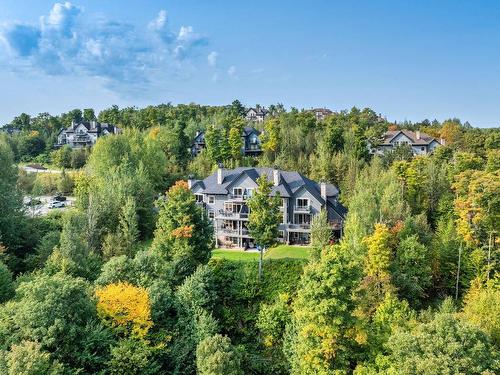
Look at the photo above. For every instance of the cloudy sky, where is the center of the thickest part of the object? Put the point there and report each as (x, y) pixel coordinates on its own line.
(407, 60)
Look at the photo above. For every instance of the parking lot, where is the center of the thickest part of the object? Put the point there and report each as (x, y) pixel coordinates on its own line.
(42, 208)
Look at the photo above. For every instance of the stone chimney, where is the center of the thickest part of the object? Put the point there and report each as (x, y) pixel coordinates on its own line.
(276, 176)
(220, 177)
(322, 187)
(417, 134)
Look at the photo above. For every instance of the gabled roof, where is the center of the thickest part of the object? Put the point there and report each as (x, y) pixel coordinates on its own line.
(247, 131)
(289, 183)
(258, 111)
(423, 139)
(92, 127)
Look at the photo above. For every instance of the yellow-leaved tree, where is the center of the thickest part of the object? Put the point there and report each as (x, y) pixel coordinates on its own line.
(126, 308)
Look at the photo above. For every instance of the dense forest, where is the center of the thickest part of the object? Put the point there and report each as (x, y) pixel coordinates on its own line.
(125, 282)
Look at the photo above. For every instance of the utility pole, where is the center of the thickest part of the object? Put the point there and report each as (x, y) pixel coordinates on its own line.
(458, 270)
(261, 251)
(489, 254)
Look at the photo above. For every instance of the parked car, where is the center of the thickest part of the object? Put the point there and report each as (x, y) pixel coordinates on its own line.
(33, 202)
(56, 204)
(59, 198)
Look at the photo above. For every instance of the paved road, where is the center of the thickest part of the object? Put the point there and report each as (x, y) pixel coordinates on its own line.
(36, 170)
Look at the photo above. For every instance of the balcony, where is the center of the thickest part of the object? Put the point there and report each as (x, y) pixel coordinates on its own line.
(232, 215)
(336, 224)
(299, 227)
(239, 197)
(243, 232)
(303, 209)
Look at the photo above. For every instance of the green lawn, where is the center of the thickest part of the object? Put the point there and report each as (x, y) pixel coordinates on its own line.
(278, 252)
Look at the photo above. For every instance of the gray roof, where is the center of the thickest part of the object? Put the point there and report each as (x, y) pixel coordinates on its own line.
(424, 138)
(289, 184)
(92, 127)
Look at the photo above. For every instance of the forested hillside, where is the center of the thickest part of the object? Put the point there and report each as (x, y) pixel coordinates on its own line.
(124, 282)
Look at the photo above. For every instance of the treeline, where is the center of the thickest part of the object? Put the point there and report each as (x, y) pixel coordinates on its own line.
(125, 283)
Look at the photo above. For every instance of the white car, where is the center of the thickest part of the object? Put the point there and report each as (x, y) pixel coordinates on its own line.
(56, 204)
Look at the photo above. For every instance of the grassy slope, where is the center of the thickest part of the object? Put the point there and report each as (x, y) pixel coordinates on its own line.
(278, 252)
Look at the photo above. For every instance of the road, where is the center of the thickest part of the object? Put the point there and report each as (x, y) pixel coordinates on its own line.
(37, 170)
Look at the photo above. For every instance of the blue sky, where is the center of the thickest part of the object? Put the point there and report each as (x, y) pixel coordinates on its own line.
(405, 59)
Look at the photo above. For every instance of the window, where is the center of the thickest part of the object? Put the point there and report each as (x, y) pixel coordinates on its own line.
(249, 192)
(238, 192)
(211, 214)
(211, 199)
(199, 197)
(302, 202)
(422, 148)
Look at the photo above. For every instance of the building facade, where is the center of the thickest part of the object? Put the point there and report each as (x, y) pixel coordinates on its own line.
(84, 134)
(251, 145)
(420, 143)
(257, 114)
(321, 113)
(224, 196)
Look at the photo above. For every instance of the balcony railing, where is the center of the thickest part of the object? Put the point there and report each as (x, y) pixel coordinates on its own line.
(81, 139)
(306, 209)
(336, 223)
(233, 232)
(235, 215)
(299, 226)
(243, 197)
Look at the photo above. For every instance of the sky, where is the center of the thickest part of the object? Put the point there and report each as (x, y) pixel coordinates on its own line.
(408, 60)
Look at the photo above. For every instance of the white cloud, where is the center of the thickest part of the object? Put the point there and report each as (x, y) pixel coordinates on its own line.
(212, 58)
(231, 72)
(68, 41)
(159, 22)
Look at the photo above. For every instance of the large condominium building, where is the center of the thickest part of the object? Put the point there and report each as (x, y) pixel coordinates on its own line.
(224, 196)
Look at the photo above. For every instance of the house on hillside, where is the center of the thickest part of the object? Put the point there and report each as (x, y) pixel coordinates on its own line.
(257, 114)
(250, 137)
(321, 113)
(84, 133)
(420, 143)
(224, 196)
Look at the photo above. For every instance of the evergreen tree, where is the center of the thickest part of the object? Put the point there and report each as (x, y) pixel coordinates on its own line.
(184, 234)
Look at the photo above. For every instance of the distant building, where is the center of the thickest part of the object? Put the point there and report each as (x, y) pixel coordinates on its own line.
(250, 137)
(420, 143)
(321, 113)
(224, 196)
(257, 114)
(84, 134)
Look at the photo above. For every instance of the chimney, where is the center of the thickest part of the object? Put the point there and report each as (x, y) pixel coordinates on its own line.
(197, 133)
(442, 141)
(73, 123)
(220, 169)
(276, 176)
(190, 181)
(322, 187)
(417, 134)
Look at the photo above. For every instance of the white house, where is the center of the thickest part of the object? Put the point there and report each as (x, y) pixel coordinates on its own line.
(84, 134)
(257, 114)
(420, 143)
